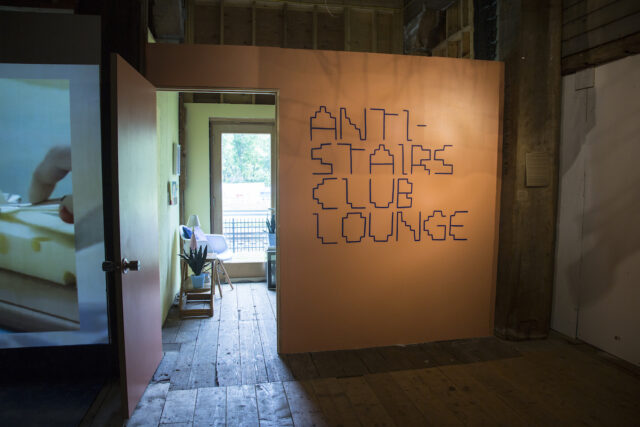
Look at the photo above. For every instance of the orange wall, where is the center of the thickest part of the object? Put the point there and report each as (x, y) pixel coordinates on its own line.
(366, 293)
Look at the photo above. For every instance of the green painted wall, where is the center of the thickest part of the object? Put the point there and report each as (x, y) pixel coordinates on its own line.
(168, 215)
(197, 149)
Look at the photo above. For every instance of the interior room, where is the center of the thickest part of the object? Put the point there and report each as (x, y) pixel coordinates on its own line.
(312, 212)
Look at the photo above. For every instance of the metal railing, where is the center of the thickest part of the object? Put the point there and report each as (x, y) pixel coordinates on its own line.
(246, 231)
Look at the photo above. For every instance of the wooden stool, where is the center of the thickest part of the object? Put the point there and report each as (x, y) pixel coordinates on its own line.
(197, 296)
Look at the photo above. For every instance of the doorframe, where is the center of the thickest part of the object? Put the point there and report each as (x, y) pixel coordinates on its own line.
(218, 126)
(276, 153)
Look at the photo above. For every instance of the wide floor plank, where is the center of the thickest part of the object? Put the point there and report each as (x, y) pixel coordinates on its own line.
(541, 389)
(188, 331)
(434, 410)
(273, 407)
(394, 400)
(166, 367)
(277, 369)
(304, 406)
(181, 375)
(246, 306)
(179, 407)
(473, 390)
(302, 366)
(261, 301)
(211, 407)
(334, 402)
(365, 403)
(253, 367)
(228, 355)
(149, 409)
(242, 409)
(516, 398)
(203, 367)
(468, 410)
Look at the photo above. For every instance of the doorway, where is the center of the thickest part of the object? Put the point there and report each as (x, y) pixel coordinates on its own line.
(243, 197)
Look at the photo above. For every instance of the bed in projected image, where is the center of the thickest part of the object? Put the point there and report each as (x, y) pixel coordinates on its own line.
(38, 283)
(50, 205)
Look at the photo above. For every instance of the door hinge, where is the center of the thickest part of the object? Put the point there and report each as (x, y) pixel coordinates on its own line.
(110, 266)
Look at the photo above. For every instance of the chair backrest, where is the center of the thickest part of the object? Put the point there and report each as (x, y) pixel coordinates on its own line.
(218, 243)
(184, 239)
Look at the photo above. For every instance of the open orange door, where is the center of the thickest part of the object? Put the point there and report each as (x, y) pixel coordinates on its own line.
(137, 281)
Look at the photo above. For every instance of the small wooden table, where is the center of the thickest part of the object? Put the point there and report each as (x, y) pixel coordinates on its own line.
(198, 295)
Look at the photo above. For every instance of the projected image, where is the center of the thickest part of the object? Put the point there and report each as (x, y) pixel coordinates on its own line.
(52, 291)
(38, 289)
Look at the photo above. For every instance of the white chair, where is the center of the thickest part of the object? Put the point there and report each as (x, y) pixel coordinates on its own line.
(217, 248)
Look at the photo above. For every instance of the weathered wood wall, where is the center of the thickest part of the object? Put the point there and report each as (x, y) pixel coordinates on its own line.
(598, 31)
(439, 28)
(355, 25)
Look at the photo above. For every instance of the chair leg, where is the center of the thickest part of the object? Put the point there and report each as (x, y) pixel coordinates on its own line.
(226, 274)
(217, 270)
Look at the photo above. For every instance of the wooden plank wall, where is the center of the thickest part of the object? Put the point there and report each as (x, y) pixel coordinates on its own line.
(442, 28)
(365, 26)
(458, 42)
(598, 31)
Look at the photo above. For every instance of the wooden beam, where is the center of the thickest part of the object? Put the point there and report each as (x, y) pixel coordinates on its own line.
(617, 49)
(253, 41)
(347, 28)
(315, 27)
(602, 35)
(603, 16)
(374, 31)
(284, 25)
(221, 21)
(189, 30)
(253, 24)
(397, 34)
(360, 4)
(582, 8)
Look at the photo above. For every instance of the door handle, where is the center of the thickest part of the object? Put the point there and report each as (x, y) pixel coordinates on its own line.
(133, 265)
(124, 266)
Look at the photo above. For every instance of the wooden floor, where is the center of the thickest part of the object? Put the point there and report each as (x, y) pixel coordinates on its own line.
(225, 371)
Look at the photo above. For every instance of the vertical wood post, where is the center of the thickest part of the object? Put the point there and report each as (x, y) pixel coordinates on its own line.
(347, 28)
(189, 36)
(315, 26)
(253, 24)
(221, 21)
(374, 31)
(529, 44)
(284, 25)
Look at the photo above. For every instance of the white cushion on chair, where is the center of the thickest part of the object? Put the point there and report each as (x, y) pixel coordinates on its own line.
(186, 243)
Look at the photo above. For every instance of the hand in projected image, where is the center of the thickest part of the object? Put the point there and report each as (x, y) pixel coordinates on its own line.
(55, 166)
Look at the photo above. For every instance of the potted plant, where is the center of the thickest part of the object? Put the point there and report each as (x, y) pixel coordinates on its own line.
(271, 229)
(196, 260)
